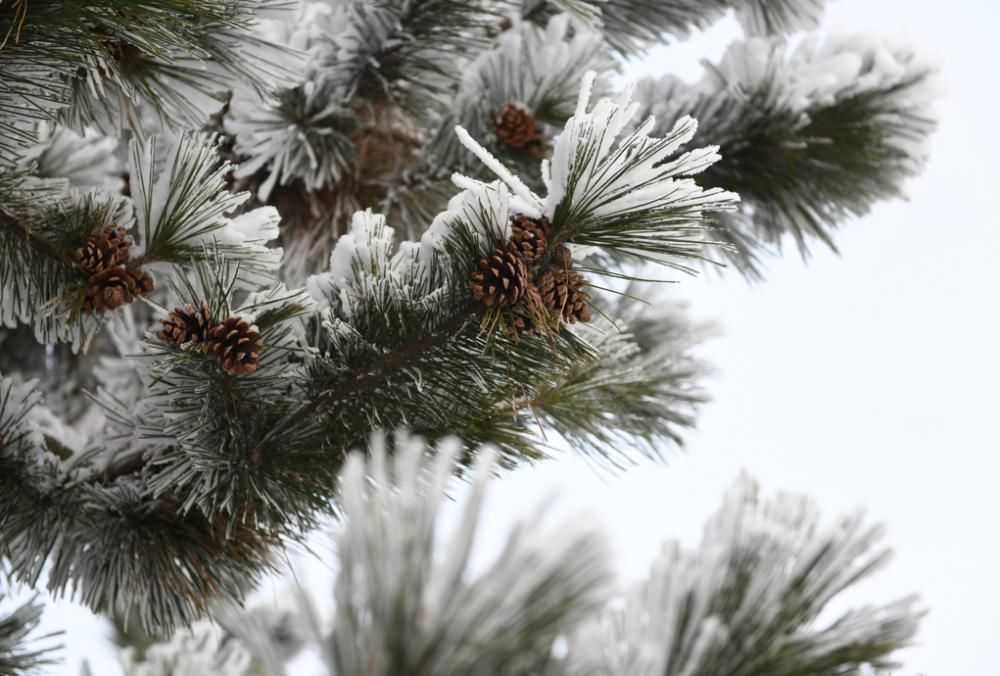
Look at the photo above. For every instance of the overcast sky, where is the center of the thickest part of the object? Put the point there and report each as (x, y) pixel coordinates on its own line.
(868, 378)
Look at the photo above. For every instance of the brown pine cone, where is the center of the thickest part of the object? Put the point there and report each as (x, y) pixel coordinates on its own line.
(185, 325)
(126, 56)
(562, 291)
(501, 278)
(518, 326)
(109, 289)
(235, 345)
(104, 250)
(529, 236)
(143, 281)
(515, 126)
(562, 258)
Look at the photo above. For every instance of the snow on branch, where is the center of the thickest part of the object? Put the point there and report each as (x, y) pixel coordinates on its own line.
(397, 609)
(184, 210)
(748, 600)
(620, 190)
(778, 17)
(203, 648)
(69, 256)
(536, 67)
(808, 138)
(113, 63)
(299, 134)
(633, 26)
(20, 652)
(59, 519)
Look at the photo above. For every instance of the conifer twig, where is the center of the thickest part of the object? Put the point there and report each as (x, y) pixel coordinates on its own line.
(39, 243)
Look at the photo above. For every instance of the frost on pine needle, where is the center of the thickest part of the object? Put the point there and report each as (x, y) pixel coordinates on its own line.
(300, 134)
(243, 395)
(20, 651)
(86, 160)
(535, 67)
(184, 211)
(402, 588)
(779, 17)
(810, 136)
(748, 600)
(17, 401)
(198, 650)
(410, 594)
(617, 189)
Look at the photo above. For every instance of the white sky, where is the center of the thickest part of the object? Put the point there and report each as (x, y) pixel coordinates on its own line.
(869, 378)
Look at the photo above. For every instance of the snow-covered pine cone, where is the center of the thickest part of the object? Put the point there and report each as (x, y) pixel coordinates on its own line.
(515, 126)
(186, 324)
(562, 291)
(529, 236)
(104, 250)
(235, 344)
(501, 278)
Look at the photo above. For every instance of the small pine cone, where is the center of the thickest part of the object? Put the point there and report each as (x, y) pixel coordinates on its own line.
(235, 345)
(109, 289)
(185, 325)
(562, 292)
(104, 250)
(501, 279)
(143, 281)
(529, 236)
(125, 55)
(515, 126)
(562, 258)
(518, 326)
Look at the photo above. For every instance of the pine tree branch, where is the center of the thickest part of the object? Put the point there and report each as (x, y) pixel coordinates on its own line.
(130, 464)
(391, 363)
(134, 462)
(33, 240)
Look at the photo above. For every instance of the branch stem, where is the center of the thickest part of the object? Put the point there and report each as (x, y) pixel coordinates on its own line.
(34, 240)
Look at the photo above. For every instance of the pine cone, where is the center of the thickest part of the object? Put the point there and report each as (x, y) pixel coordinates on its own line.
(109, 289)
(518, 326)
(562, 292)
(104, 250)
(501, 278)
(515, 126)
(126, 56)
(529, 236)
(185, 325)
(235, 345)
(143, 281)
(562, 258)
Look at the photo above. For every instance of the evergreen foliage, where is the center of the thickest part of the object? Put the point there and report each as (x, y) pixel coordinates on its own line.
(324, 181)
(21, 653)
(810, 138)
(408, 599)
